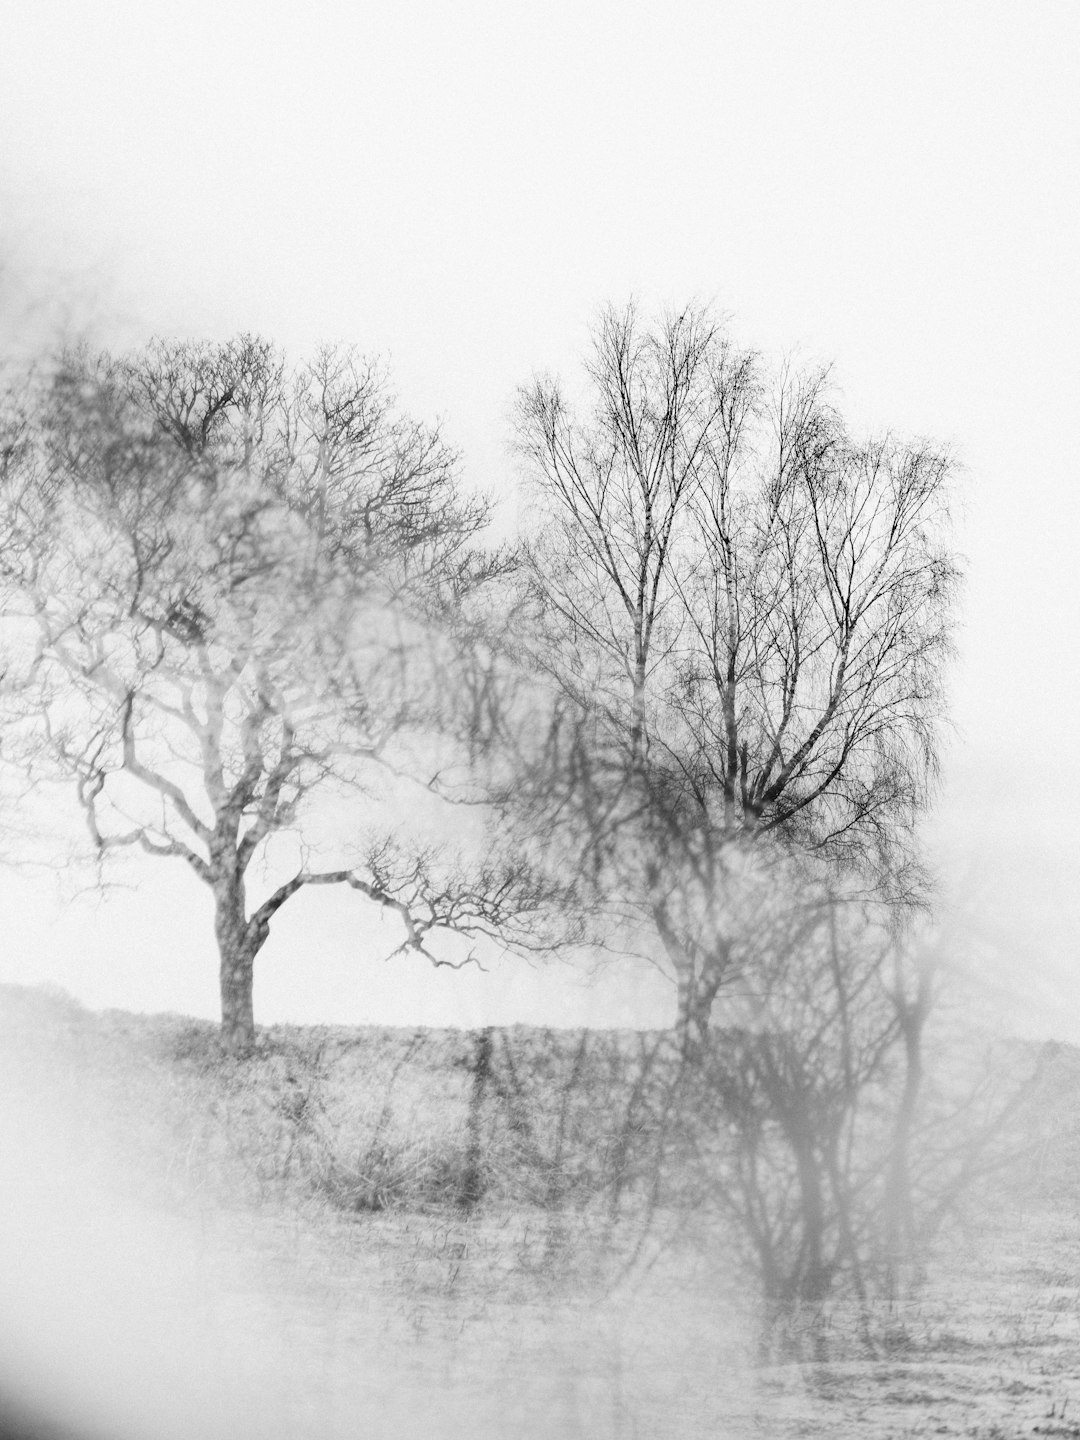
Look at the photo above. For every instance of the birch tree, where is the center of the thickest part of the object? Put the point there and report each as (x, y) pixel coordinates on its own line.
(746, 614)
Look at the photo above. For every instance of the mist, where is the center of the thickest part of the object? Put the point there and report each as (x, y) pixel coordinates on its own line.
(703, 1138)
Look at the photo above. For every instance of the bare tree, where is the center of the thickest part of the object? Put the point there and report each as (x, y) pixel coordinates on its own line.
(244, 593)
(746, 613)
(793, 1131)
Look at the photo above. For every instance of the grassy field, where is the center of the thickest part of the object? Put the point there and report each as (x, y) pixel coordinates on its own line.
(351, 1235)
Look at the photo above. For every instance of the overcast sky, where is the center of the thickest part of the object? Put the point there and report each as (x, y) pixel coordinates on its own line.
(890, 187)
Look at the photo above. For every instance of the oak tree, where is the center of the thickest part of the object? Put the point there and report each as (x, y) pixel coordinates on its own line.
(243, 602)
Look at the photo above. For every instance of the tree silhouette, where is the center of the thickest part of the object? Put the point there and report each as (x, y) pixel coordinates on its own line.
(745, 613)
(246, 587)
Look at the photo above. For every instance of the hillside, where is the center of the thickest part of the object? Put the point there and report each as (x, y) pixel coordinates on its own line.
(441, 1234)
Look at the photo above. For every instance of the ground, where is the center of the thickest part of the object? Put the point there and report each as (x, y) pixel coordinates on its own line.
(171, 1269)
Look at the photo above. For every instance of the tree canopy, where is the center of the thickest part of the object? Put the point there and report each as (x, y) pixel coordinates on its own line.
(245, 585)
(745, 611)
(712, 670)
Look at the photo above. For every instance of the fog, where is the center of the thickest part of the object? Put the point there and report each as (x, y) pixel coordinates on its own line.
(127, 1315)
(889, 191)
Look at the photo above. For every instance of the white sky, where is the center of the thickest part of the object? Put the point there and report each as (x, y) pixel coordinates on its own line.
(891, 187)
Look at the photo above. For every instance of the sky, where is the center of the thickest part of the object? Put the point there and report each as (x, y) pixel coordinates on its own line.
(889, 188)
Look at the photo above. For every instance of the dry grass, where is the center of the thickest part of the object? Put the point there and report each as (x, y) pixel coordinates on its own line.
(321, 1195)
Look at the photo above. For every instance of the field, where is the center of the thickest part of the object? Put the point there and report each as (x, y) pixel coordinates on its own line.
(344, 1237)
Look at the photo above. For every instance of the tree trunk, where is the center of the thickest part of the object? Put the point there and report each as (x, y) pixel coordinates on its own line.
(813, 1281)
(237, 949)
(237, 1009)
(696, 997)
(899, 1202)
(472, 1181)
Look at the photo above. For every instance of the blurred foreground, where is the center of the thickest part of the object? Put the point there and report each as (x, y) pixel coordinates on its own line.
(335, 1239)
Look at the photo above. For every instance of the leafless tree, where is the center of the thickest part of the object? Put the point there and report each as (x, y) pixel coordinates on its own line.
(798, 1121)
(245, 590)
(745, 613)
